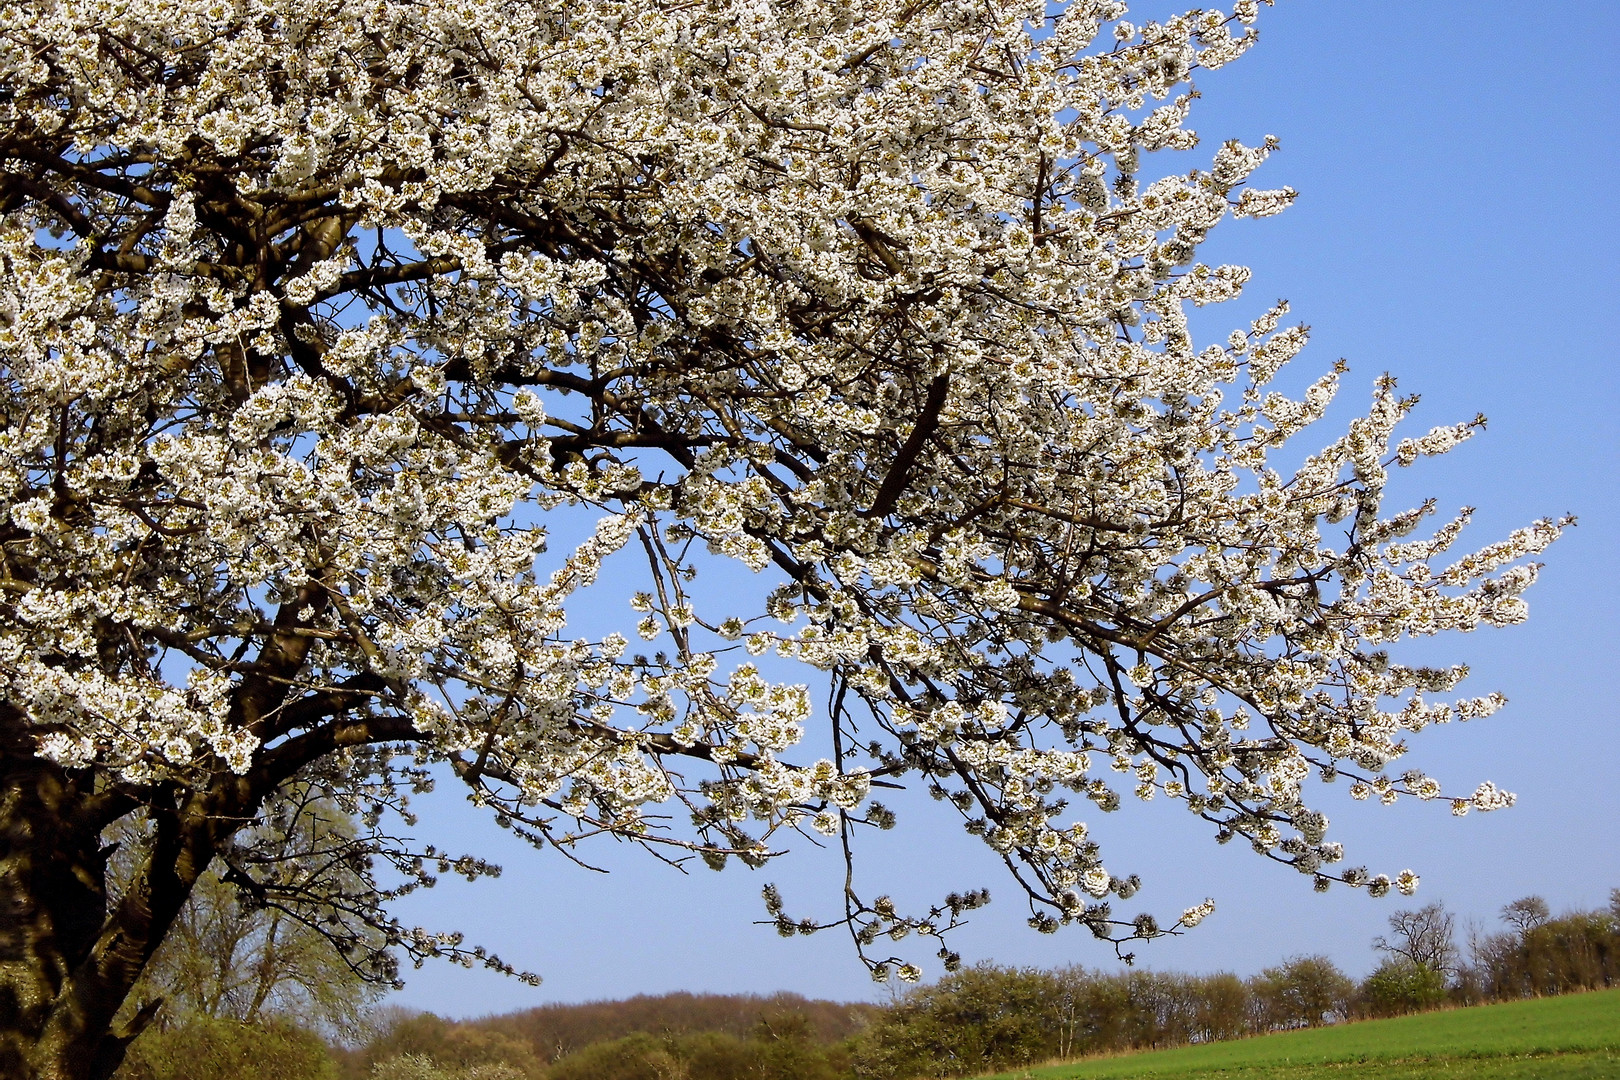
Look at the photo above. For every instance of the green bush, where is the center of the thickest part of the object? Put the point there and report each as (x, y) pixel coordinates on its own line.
(208, 1049)
(783, 1047)
(1400, 986)
(714, 1055)
(977, 1020)
(634, 1057)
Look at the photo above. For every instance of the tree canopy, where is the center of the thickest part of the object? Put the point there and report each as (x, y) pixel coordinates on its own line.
(319, 319)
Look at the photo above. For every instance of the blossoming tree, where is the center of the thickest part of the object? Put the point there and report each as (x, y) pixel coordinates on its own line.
(317, 316)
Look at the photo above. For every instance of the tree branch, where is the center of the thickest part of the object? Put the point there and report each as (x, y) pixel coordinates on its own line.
(900, 469)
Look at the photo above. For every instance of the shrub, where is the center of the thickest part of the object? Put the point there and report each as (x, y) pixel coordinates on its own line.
(977, 1020)
(783, 1047)
(1399, 986)
(634, 1057)
(207, 1049)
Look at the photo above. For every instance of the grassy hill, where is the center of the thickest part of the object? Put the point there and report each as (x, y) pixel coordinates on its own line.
(1575, 1037)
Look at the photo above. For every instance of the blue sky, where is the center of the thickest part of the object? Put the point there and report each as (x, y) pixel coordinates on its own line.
(1456, 226)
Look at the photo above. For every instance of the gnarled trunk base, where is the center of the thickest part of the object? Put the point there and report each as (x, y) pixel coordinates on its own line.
(58, 996)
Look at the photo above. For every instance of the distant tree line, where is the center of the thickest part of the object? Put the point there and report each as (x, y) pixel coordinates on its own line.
(680, 1035)
(976, 1020)
(558, 1030)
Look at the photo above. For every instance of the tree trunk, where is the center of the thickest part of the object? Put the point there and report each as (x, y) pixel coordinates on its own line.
(55, 1006)
(68, 961)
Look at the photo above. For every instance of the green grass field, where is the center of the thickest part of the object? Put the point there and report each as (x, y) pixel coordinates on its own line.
(1576, 1037)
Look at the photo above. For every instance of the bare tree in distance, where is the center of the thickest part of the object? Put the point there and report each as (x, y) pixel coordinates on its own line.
(1526, 913)
(1423, 936)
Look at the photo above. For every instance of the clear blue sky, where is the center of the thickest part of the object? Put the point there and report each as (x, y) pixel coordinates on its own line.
(1456, 226)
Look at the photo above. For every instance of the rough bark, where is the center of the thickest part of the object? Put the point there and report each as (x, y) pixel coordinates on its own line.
(58, 991)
